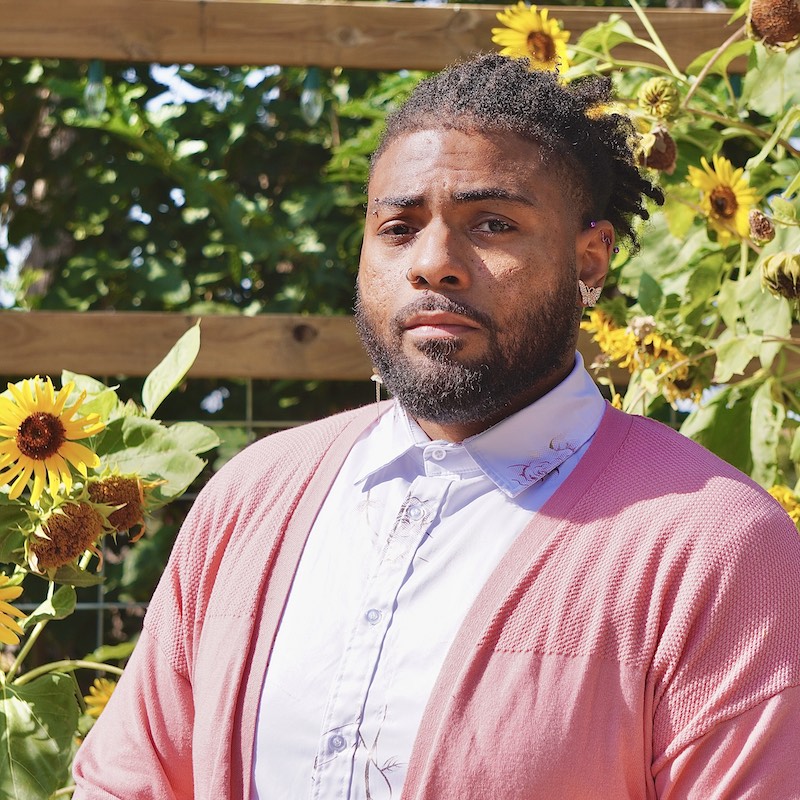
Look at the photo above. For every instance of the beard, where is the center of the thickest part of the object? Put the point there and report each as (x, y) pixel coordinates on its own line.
(440, 388)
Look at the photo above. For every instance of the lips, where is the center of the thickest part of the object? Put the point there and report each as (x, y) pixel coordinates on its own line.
(439, 323)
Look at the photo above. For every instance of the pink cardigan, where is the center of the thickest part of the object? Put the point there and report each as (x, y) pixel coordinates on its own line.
(640, 639)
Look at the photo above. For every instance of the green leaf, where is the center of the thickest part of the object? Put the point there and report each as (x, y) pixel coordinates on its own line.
(111, 652)
(772, 82)
(172, 369)
(61, 605)
(722, 425)
(734, 353)
(70, 575)
(783, 210)
(606, 35)
(794, 451)
(720, 66)
(766, 422)
(144, 447)
(193, 436)
(37, 723)
(650, 294)
(728, 304)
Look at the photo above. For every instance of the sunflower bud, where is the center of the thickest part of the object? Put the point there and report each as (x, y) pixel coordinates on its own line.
(762, 231)
(124, 491)
(658, 151)
(776, 23)
(659, 97)
(780, 274)
(70, 530)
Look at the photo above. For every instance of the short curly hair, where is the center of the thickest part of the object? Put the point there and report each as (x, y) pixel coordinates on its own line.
(568, 122)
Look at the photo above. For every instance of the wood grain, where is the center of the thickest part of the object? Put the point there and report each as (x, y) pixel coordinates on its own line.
(271, 347)
(384, 36)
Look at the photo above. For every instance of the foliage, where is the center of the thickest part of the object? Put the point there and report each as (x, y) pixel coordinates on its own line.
(704, 319)
(131, 465)
(212, 196)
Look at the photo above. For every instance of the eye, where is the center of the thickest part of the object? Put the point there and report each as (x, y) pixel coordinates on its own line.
(494, 225)
(396, 230)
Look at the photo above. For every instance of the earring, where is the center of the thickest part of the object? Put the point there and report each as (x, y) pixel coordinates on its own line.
(589, 294)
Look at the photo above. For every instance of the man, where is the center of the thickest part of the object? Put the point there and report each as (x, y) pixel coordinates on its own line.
(498, 586)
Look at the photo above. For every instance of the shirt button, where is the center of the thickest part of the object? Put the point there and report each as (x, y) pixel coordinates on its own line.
(438, 454)
(416, 513)
(373, 616)
(338, 742)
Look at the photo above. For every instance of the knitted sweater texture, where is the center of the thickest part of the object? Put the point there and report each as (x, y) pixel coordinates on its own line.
(640, 639)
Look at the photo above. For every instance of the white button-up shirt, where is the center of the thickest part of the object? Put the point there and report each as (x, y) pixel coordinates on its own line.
(404, 541)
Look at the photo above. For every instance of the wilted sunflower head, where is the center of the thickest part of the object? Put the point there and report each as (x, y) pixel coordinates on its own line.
(658, 150)
(776, 23)
(65, 533)
(762, 231)
(780, 275)
(124, 491)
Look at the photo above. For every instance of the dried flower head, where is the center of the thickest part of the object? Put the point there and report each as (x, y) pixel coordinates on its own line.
(126, 491)
(69, 530)
(762, 231)
(658, 150)
(659, 97)
(780, 274)
(776, 23)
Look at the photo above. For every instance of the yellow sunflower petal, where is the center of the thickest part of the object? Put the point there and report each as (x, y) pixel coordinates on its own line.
(79, 456)
(20, 482)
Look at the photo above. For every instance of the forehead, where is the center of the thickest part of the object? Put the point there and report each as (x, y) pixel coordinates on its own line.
(458, 158)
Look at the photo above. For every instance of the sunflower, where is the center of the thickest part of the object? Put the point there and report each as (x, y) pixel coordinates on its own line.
(530, 34)
(788, 500)
(99, 694)
(726, 200)
(37, 437)
(10, 630)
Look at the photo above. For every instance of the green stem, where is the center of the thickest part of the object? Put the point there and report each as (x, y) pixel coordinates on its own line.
(25, 649)
(701, 76)
(651, 32)
(761, 134)
(743, 253)
(68, 665)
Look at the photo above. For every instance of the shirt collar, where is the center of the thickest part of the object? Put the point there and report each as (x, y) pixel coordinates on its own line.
(516, 452)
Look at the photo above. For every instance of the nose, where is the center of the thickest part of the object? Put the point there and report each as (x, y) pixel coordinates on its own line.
(437, 261)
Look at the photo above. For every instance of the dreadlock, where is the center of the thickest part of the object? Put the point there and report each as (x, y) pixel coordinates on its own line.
(567, 122)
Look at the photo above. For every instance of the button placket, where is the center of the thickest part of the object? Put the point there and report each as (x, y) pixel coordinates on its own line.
(336, 756)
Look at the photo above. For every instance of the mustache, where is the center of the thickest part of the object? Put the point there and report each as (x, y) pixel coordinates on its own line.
(437, 302)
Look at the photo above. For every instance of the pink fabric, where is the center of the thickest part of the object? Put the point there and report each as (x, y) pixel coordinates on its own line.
(641, 638)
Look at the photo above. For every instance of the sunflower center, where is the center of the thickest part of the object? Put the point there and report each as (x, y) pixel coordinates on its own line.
(541, 46)
(723, 201)
(40, 435)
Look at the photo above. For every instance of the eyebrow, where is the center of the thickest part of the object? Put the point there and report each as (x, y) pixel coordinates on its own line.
(469, 196)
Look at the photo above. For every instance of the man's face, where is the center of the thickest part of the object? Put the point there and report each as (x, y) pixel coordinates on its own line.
(493, 239)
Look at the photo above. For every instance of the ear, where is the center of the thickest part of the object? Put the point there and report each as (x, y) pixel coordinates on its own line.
(593, 249)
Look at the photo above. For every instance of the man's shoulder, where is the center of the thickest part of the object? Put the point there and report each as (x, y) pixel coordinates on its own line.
(656, 466)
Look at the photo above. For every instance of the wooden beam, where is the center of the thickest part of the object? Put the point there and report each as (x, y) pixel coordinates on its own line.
(385, 36)
(132, 343)
(271, 346)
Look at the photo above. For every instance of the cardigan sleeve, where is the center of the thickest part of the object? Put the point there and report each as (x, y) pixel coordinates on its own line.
(752, 755)
(141, 744)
